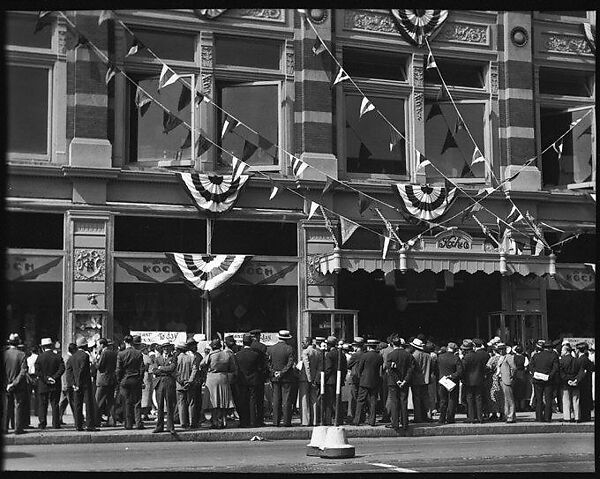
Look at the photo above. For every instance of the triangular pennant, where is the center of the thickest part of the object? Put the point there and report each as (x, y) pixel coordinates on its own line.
(238, 166)
(486, 230)
(449, 142)
(313, 208)
(44, 19)
(274, 191)
(347, 228)
(467, 172)
(395, 138)
(111, 71)
(477, 157)
(318, 47)
(249, 149)
(514, 216)
(364, 153)
(391, 232)
(434, 111)
(228, 125)
(386, 245)
(106, 15)
(539, 246)
(469, 211)
(298, 166)
(574, 123)
(558, 147)
(203, 144)
(167, 77)
(329, 227)
(184, 97)
(363, 203)
(422, 162)
(142, 100)
(329, 185)
(442, 94)
(264, 144)
(187, 142)
(341, 76)
(587, 131)
(199, 97)
(170, 121)
(135, 47)
(366, 106)
(430, 62)
(489, 190)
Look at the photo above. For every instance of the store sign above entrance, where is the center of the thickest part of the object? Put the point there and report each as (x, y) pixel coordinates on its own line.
(573, 278)
(19, 267)
(161, 270)
(453, 240)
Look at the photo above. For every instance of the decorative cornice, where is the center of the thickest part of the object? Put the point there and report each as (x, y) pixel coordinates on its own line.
(86, 172)
(369, 21)
(266, 14)
(576, 45)
(464, 33)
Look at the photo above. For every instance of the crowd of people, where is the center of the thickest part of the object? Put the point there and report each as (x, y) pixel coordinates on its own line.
(129, 382)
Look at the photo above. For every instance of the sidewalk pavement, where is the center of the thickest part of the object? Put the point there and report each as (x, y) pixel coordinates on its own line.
(68, 435)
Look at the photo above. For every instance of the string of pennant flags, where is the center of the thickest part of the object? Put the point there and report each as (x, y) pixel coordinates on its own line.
(347, 226)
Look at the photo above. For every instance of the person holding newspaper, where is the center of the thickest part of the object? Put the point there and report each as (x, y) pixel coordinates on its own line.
(450, 371)
(543, 367)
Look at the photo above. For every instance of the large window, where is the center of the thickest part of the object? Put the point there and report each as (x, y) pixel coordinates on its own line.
(565, 100)
(372, 148)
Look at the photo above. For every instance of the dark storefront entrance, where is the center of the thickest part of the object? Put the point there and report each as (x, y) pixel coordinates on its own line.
(442, 306)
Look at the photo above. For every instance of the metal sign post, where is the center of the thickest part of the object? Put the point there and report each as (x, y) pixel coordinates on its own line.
(208, 318)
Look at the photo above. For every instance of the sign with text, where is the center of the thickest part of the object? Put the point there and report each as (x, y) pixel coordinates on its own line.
(160, 337)
(33, 268)
(573, 341)
(453, 240)
(267, 338)
(573, 279)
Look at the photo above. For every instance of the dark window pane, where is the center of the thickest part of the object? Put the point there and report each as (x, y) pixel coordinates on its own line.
(374, 134)
(375, 64)
(566, 82)
(21, 232)
(576, 162)
(174, 46)
(449, 147)
(19, 31)
(258, 107)
(264, 238)
(457, 73)
(27, 98)
(247, 52)
(147, 140)
(567, 13)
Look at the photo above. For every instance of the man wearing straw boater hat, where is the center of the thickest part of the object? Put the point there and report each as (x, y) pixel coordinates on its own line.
(49, 367)
(281, 362)
(420, 380)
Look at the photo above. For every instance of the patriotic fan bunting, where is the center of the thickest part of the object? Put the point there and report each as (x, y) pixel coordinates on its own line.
(423, 201)
(212, 194)
(205, 271)
(416, 25)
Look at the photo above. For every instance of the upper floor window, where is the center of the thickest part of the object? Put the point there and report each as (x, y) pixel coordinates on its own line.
(247, 52)
(562, 82)
(167, 45)
(19, 31)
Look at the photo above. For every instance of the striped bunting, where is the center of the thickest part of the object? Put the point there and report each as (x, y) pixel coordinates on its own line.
(298, 166)
(212, 194)
(416, 25)
(423, 201)
(205, 271)
(239, 167)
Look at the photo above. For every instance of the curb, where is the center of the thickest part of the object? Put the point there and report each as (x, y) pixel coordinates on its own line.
(278, 434)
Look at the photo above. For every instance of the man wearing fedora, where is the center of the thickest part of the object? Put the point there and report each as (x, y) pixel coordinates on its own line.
(473, 377)
(400, 365)
(249, 375)
(263, 373)
(420, 381)
(332, 357)
(106, 380)
(79, 366)
(586, 402)
(49, 367)
(195, 381)
(449, 366)
(369, 372)
(130, 376)
(185, 364)
(544, 367)
(14, 384)
(359, 348)
(165, 370)
(281, 362)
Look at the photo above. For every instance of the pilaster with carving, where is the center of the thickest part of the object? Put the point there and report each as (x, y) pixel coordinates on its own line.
(494, 79)
(206, 53)
(418, 122)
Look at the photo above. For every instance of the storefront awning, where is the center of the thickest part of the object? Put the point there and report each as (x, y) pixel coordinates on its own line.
(449, 251)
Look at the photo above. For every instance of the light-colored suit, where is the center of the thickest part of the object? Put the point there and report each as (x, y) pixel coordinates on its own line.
(507, 371)
(307, 391)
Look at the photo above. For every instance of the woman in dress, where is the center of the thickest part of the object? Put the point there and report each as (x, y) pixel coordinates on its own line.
(496, 398)
(219, 365)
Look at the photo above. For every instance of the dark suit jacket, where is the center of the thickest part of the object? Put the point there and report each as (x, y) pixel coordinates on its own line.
(49, 365)
(474, 364)
(165, 376)
(15, 369)
(449, 364)
(106, 368)
(281, 358)
(248, 361)
(331, 362)
(80, 366)
(405, 366)
(353, 366)
(261, 348)
(130, 364)
(570, 369)
(369, 369)
(545, 362)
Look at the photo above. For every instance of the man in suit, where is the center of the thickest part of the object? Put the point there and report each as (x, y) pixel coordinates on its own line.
(450, 366)
(307, 385)
(571, 373)
(507, 368)
(249, 376)
(281, 362)
(400, 365)
(165, 371)
(263, 373)
(383, 389)
(544, 367)
(68, 398)
(78, 365)
(49, 367)
(333, 356)
(105, 380)
(585, 384)
(130, 376)
(185, 364)
(195, 384)
(369, 371)
(14, 384)
(420, 381)
(359, 348)
(474, 364)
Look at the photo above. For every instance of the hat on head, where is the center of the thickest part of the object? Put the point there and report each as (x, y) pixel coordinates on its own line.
(582, 345)
(358, 341)
(14, 339)
(180, 344)
(284, 334)
(478, 342)
(331, 340)
(247, 337)
(91, 343)
(255, 331)
(215, 343)
(547, 344)
(46, 342)
(190, 343)
(452, 346)
(417, 343)
(494, 340)
(81, 343)
(556, 343)
(467, 345)
(372, 342)
(500, 346)
(137, 339)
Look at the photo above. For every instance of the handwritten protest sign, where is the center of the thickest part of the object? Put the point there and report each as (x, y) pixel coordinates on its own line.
(266, 338)
(160, 337)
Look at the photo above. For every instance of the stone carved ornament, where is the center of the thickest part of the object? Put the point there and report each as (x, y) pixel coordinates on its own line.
(89, 264)
(314, 276)
(565, 44)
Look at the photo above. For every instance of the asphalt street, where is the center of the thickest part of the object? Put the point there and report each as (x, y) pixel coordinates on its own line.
(504, 453)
